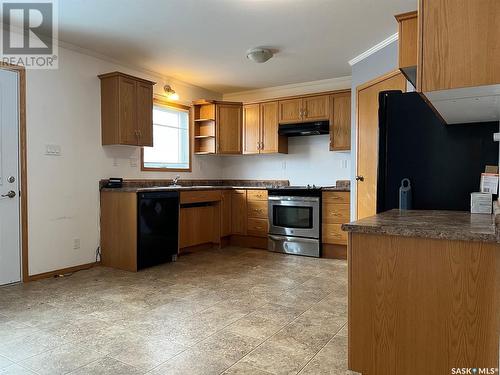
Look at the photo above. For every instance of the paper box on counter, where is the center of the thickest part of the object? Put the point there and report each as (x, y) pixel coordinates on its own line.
(481, 203)
(491, 169)
(489, 183)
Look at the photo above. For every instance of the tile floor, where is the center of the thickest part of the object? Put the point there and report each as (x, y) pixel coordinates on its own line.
(230, 311)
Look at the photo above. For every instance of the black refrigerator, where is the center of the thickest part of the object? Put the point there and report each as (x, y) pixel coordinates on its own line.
(443, 162)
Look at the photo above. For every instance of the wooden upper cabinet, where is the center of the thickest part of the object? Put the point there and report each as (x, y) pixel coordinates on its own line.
(126, 110)
(217, 127)
(308, 108)
(229, 124)
(315, 108)
(271, 141)
(340, 123)
(460, 44)
(251, 128)
(127, 126)
(408, 44)
(144, 107)
(260, 128)
(290, 111)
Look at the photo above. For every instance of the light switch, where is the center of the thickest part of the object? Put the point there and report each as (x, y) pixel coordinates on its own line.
(133, 162)
(53, 150)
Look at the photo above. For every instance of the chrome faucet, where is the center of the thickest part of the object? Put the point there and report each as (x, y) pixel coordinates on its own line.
(176, 179)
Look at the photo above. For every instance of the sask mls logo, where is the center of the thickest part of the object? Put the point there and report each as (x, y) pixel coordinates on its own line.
(475, 371)
(29, 33)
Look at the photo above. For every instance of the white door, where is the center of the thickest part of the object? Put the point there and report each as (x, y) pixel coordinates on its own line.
(10, 254)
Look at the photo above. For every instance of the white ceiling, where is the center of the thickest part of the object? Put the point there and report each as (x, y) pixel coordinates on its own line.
(203, 42)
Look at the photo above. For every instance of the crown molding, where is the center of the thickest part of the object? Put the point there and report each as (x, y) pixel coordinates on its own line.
(374, 49)
(311, 87)
(150, 73)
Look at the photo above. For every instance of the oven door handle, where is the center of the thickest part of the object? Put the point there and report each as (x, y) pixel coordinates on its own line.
(293, 199)
(294, 204)
(287, 238)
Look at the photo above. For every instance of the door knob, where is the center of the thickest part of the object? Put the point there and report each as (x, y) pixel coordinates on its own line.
(10, 194)
(360, 178)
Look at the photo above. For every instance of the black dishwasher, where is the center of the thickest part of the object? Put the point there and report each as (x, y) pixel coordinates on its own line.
(157, 227)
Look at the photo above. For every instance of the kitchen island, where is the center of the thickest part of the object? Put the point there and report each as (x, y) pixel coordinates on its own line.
(424, 292)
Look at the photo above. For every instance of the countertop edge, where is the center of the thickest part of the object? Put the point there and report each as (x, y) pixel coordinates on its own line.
(422, 233)
(194, 188)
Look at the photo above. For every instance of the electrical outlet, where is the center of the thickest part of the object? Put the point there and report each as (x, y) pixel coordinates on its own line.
(344, 164)
(76, 243)
(283, 165)
(115, 162)
(53, 150)
(133, 162)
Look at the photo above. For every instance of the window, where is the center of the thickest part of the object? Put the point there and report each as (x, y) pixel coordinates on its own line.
(171, 146)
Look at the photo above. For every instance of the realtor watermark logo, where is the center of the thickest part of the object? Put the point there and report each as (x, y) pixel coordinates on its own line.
(29, 33)
(475, 371)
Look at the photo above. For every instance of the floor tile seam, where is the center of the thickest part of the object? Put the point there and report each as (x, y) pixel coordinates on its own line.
(197, 342)
(315, 355)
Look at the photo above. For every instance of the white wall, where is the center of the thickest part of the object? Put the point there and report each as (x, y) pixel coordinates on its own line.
(308, 161)
(63, 108)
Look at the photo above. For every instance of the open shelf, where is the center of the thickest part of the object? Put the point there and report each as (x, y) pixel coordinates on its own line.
(204, 145)
(204, 119)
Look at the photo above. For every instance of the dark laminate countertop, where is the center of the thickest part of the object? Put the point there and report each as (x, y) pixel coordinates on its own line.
(336, 188)
(136, 186)
(449, 225)
(131, 189)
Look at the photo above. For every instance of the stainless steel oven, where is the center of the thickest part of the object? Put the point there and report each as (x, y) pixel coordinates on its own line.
(294, 221)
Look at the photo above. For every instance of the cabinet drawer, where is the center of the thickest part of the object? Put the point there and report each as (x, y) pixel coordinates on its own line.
(333, 234)
(257, 209)
(336, 213)
(257, 195)
(336, 197)
(257, 227)
(200, 196)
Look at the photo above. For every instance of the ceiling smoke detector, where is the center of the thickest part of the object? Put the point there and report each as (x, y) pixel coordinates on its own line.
(259, 55)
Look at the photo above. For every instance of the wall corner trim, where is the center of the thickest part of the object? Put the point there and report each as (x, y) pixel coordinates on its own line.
(374, 49)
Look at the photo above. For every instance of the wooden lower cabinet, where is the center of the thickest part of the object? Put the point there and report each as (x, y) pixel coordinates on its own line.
(199, 225)
(421, 305)
(257, 227)
(257, 222)
(119, 238)
(335, 212)
(226, 213)
(333, 234)
(200, 218)
(239, 212)
(257, 209)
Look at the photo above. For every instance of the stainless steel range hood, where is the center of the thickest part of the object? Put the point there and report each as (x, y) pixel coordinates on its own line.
(304, 128)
